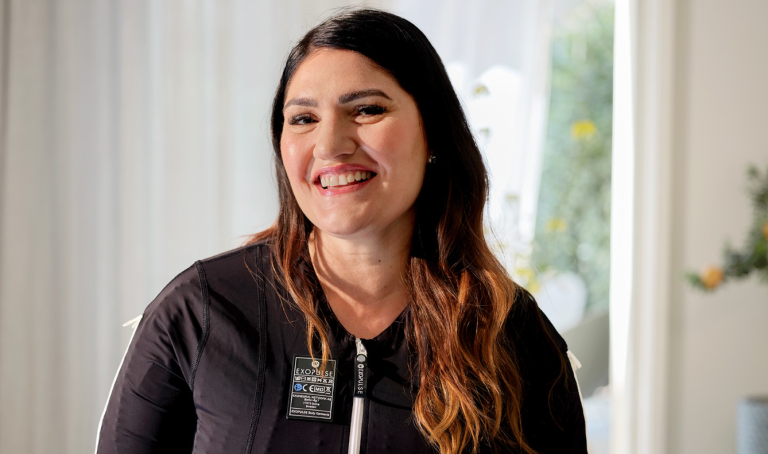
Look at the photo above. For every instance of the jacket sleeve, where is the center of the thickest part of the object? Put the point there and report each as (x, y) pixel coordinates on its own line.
(150, 408)
(552, 412)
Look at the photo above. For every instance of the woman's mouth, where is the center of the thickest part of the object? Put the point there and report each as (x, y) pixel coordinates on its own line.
(345, 179)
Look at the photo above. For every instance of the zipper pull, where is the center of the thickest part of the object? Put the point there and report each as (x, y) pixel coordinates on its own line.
(358, 400)
(361, 369)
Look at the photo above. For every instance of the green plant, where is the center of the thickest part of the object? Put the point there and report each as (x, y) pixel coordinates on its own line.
(574, 208)
(738, 264)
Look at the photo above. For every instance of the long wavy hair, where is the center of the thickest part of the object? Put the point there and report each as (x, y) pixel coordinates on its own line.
(470, 388)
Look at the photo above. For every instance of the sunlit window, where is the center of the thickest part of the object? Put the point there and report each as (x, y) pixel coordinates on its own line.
(571, 248)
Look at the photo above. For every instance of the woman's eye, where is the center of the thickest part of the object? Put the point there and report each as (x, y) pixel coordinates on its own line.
(300, 120)
(371, 110)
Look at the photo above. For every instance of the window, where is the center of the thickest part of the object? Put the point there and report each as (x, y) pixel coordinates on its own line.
(570, 254)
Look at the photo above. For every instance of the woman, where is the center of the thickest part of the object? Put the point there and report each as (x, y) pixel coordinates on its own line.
(372, 317)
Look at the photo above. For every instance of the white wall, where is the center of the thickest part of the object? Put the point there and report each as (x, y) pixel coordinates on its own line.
(719, 342)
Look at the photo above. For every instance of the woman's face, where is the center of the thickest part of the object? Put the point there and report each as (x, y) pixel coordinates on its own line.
(352, 145)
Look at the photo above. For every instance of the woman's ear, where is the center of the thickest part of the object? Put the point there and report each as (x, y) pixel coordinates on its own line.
(431, 156)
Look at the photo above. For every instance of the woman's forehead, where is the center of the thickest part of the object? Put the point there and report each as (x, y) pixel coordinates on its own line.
(332, 72)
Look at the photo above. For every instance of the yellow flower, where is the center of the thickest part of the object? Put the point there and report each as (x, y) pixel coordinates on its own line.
(765, 230)
(556, 225)
(583, 129)
(711, 277)
(480, 89)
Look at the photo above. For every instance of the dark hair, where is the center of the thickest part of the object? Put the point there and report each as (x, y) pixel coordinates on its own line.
(460, 295)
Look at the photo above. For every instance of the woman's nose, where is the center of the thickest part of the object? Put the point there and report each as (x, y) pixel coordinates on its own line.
(334, 139)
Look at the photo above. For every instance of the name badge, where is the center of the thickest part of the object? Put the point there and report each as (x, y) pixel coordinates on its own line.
(312, 392)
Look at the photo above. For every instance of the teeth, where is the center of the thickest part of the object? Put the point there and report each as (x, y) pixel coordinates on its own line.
(344, 178)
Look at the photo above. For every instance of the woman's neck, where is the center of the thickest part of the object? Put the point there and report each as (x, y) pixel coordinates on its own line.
(362, 278)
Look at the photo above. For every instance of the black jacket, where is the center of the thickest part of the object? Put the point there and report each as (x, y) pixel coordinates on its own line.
(211, 369)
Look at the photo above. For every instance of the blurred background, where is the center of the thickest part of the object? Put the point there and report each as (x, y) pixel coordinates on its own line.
(619, 135)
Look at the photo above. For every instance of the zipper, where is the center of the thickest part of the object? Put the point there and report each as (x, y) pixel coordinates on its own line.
(358, 397)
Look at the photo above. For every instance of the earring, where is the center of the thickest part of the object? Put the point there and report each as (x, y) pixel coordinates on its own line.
(432, 159)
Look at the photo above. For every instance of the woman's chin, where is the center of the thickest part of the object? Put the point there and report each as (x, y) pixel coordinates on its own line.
(342, 229)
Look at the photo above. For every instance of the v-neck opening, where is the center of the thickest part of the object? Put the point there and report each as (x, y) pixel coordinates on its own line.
(323, 308)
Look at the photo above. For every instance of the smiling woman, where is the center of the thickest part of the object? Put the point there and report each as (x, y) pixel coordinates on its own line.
(345, 115)
(377, 262)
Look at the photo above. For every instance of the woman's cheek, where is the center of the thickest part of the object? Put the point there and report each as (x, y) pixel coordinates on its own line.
(295, 164)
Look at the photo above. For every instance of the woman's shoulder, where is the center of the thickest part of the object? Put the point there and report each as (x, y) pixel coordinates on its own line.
(236, 271)
(529, 327)
(248, 261)
(540, 351)
(553, 418)
(207, 293)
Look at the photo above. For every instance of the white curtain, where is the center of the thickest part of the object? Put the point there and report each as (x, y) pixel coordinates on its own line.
(133, 141)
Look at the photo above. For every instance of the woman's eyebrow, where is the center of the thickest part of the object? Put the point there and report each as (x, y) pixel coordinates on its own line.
(306, 102)
(352, 96)
(343, 99)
